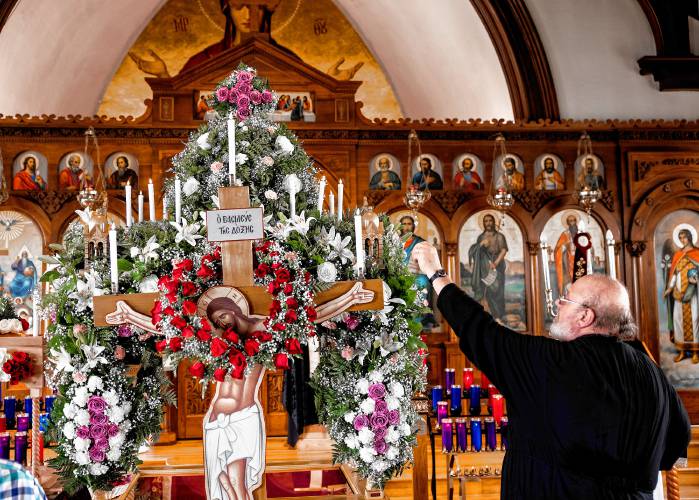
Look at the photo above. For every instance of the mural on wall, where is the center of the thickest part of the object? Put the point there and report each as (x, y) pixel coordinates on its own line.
(469, 172)
(509, 172)
(427, 172)
(121, 169)
(491, 256)
(677, 275)
(75, 170)
(559, 232)
(30, 171)
(421, 228)
(589, 172)
(20, 246)
(548, 173)
(384, 169)
(315, 31)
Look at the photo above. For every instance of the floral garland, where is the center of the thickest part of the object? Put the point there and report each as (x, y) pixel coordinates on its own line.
(15, 367)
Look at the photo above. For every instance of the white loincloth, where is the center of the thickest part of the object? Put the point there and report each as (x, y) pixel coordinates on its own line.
(229, 438)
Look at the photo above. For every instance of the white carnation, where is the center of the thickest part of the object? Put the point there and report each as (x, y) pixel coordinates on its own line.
(82, 417)
(241, 158)
(363, 386)
(405, 430)
(284, 144)
(365, 436)
(191, 186)
(81, 444)
(116, 414)
(126, 407)
(397, 389)
(376, 376)
(367, 454)
(203, 141)
(392, 453)
(270, 195)
(110, 398)
(98, 469)
(80, 397)
(379, 465)
(392, 402)
(352, 442)
(69, 411)
(94, 383)
(149, 284)
(116, 441)
(114, 454)
(367, 406)
(349, 417)
(69, 430)
(327, 272)
(82, 458)
(392, 435)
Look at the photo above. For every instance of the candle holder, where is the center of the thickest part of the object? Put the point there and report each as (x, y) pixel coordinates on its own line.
(474, 406)
(588, 189)
(414, 198)
(5, 445)
(455, 400)
(447, 435)
(467, 379)
(476, 435)
(491, 440)
(449, 379)
(442, 412)
(437, 396)
(461, 435)
(548, 292)
(500, 197)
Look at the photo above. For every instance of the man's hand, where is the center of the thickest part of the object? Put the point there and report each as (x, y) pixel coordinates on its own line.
(120, 316)
(424, 259)
(361, 295)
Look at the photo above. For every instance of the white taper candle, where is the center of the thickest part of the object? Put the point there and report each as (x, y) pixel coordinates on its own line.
(129, 215)
(140, 206)
(340, 189)
(359, 239)
(331, 203)
(178, 201)
(321, 194)
(113, 269)
(611, 254)
(230, 123)
(151, 201)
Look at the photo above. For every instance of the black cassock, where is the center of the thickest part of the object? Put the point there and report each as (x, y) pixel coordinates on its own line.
(589, 419)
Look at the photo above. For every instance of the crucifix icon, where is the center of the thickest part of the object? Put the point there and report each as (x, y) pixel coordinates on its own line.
(234, 431)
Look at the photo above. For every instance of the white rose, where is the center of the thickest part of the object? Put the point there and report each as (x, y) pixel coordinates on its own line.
(349, 417)
(327, 272)
(69, 411)
(397, 389)
(82, 417)
(69, 430)
(365, 436)
(149, 284)
(114, 454)
(81, 444)
(191, 186)
(376, 376)
(203, 141)
(98, 469)
(363, 386)
(352, 442)
(284, 144)
(392, 435)
(392, 403)
(94, 383)
(367, 406)
(241, 158)
(82, 458)
(270, 195)
(367, 454)
(406, 430)
(392, 453)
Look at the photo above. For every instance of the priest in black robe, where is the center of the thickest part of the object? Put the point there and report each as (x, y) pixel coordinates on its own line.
(590, 417)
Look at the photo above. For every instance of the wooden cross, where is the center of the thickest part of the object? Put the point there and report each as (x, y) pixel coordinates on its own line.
(237, 264)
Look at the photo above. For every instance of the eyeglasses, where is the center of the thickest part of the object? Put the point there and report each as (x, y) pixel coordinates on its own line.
(566, 300)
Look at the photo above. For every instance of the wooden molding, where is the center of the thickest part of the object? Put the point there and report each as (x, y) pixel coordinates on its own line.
(522, 57)
(672, 73)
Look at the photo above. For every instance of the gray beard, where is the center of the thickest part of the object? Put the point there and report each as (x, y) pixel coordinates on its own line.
(558, 331)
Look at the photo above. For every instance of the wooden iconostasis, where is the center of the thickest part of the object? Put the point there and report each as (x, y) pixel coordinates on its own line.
(648, 173)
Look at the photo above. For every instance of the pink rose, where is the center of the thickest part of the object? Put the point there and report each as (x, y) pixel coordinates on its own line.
(96, 404)
(378, 420)
(393, 417)
(244, 76)
(113, 430)
(97, 455)
(79, 377)
(119, 352)
(83, 432)
(380, 433)
(79, 329)
(360, 421)
(98, 431)
(380, 446)
(216, 166)
(347, 353)
(101, 444)
(222, 94)
(352, 322)
(377, 391)
(244, 89)
(99, 419)
(380, 406)
(243, 101)
(233, 96)
(266, 96)
(243, 113)
(255, 96)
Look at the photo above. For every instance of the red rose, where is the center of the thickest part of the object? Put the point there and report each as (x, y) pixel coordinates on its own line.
(20, 356)
(276, 265)
(185, 264)
(307, 277)
(205, 271)
(220, 374)
(262, 270)
(237, 359)
(311, 313)
(175, 344)
(293, 346)
(282, 275)
(265, 337)
(204, 335)
(163, 281)
(238, 372)
(189, 308)
(275, 308)
(279, 327)
(205, 325)
(171, 286)
(273, 287)
(177, 274)
(217, 253)
(168, 311)
(178, 322)
(188, 288)
(187, 332)
(274, 254)
(231, 335)
(197, 369)
(292, 302)
(288, 289)
(252, 347)
(160, 345)
(218, 347)
(281, 361)
(155, 313)
(290, 316)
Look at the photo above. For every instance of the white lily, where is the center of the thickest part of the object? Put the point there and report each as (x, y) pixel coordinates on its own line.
(86, 217)
(187, 232)
(147, 252)
(387, 301)
(93, 355)
(86, 290)
(62, 360)
(241, 158)
(301, 224)
(338, 246)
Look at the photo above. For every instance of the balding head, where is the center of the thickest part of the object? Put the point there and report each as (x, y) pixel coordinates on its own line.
(601, 305)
